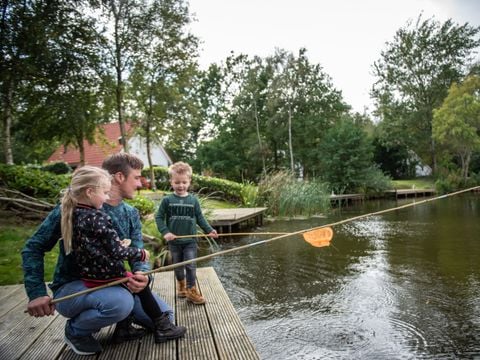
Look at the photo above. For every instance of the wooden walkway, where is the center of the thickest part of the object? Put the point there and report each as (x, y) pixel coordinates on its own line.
(214, 330)
(224, 219)
(406, 193)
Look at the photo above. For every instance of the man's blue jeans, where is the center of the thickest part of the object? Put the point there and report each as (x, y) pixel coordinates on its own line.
(90, 312)
(182, 252)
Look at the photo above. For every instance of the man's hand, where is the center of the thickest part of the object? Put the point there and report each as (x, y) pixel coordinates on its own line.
(41, 306)
(137, 282)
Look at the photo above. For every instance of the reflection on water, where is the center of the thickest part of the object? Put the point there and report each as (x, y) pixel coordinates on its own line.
(403, 285)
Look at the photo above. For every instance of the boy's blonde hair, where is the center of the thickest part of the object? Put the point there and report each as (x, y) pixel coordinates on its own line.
(180, 168)
(83, 178)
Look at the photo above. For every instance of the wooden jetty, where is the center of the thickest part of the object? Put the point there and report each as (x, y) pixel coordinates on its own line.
(406, 193)
(345, 199)
(224, 219)
(214, 330)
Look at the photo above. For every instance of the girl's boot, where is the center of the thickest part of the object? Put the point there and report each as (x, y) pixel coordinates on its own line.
(165, 330)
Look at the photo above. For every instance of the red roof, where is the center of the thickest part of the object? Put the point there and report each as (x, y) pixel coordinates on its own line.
(107, 143)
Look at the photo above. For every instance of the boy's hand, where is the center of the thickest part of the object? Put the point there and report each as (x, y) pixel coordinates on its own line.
(169, 236)
(213, 234)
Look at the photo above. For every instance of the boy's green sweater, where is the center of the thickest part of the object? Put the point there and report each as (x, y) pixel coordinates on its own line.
(180, 216)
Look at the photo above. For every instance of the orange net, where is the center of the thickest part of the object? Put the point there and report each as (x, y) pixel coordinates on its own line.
(319, 237)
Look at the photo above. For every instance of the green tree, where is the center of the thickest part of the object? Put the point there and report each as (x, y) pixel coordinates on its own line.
(413, 77)
(456, 124)
(347, 157)
(162, 74)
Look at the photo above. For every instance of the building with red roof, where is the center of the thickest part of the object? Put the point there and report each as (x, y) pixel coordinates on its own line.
(107, 142)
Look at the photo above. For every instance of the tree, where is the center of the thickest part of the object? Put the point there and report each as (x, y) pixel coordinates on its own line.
(162, 73)
(456, 124)
(413, 77)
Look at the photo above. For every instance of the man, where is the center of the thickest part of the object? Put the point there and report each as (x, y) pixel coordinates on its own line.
(89, 313)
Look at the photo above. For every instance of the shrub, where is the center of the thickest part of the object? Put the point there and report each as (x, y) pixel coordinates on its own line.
(58, 168)
(144, 205)
(34, 182)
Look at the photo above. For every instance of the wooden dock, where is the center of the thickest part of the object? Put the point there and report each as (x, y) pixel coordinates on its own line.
(345, 199)
(224, 219)
(406, 193)
(214, 330)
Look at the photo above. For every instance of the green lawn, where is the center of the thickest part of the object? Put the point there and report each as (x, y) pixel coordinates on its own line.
(419, 183)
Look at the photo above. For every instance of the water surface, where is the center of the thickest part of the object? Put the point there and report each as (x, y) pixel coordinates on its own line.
(402, 285)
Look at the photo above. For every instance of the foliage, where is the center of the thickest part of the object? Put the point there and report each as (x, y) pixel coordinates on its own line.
(228, 190)
(58, 168)
(456, 124)
(34, 182)
(347, 161)
(413, 76)
(144, 205)
(393, 159)
(283, 195)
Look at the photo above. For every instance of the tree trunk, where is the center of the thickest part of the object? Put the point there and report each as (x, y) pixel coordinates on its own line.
(7, 122)
(290, 138)
(258, 136)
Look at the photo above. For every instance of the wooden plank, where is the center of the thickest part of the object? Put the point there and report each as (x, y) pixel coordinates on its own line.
(22, 335)
(7, 290)
(50, 344)
(223, 217)
(230, 336)
(11, 301)
(164, 285)
(198, 342)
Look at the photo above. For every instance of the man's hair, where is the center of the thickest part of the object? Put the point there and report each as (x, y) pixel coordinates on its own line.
(180, 168)
(122, 162)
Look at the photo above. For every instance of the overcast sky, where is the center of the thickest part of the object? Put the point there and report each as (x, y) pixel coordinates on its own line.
(344, 36)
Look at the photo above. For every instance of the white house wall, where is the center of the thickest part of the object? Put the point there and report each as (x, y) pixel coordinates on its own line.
(137, 146)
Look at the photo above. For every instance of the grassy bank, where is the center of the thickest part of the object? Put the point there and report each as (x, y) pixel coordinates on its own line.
(420, 183)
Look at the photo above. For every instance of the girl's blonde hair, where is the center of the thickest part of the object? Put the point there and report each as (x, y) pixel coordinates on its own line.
(83, 178)
(180, 168)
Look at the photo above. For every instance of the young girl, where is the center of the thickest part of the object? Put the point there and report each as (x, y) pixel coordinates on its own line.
(178, 214)
(89, 237)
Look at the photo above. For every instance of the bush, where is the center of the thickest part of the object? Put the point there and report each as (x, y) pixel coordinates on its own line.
(144, 205)
(34, 182)
(58, 168)
(228, 190)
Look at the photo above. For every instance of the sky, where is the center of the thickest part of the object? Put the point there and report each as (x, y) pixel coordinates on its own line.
(344, 36)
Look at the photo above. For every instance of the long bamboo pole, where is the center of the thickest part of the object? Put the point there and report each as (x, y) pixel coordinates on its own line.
(228, 251)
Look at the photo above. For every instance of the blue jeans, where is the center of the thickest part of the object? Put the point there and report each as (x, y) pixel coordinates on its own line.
(182, 252)
(90, 312)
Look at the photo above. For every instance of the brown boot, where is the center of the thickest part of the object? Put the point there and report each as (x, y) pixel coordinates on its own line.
(194, 296)
(181, 288)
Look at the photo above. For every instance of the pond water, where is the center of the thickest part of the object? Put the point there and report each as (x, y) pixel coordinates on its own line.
(402, 285)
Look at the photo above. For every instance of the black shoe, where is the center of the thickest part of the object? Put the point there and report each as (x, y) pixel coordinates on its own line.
(165, 330)
(125, 331)
(82, 345)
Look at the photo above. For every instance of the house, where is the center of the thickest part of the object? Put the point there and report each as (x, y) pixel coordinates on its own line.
(107, 142)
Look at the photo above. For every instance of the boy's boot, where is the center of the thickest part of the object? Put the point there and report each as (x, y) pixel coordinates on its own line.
(181, 288)
(194, 296)
(125, 331)
(165, 330)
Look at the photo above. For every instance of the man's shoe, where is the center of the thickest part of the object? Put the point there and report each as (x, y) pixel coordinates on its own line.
(182, 288)
(82, 345)
(125, 331)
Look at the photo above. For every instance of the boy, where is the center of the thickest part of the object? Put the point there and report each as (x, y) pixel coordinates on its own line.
(178, 214)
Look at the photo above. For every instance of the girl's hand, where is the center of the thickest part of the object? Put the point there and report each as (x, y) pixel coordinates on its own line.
(125, 242)
(169, 236)
(147, 255)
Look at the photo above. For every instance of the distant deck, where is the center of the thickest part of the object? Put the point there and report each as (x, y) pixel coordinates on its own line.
(224, 219)
(214, 330)
(406, 193)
